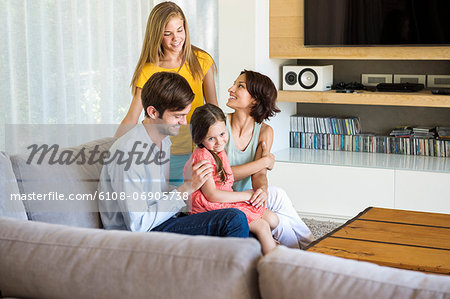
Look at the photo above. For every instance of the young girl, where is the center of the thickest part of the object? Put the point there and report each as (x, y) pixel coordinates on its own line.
(209, 133)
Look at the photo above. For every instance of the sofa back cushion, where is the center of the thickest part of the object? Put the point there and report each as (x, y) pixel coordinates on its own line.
(288, 273)
(10, 205)
(74, 182)
(41, 260)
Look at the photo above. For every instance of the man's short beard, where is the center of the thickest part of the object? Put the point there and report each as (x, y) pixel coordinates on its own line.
(169, 130)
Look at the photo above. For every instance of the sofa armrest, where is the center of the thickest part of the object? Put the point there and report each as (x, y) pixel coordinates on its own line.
(305, 274)
(43, 260)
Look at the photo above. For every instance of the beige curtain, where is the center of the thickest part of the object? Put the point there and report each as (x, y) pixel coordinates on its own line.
(71, 61)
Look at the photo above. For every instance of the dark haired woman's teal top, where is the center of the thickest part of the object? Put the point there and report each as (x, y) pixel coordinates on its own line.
(238, 157)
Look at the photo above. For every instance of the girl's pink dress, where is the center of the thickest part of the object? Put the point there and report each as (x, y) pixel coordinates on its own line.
(201, 204)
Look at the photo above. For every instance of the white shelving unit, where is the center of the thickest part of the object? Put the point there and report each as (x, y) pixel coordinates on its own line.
(338, 184)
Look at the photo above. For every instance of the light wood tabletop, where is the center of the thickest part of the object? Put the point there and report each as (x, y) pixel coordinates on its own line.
(396, 238)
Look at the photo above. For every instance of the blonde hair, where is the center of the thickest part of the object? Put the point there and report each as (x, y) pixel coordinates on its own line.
(152, 49)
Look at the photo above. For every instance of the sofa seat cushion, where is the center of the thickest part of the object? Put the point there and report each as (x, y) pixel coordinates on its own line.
(41, 260)
(289, 273)
(78, 179)
(9, 205)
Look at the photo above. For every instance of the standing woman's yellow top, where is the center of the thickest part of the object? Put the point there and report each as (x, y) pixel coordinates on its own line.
(182, 143)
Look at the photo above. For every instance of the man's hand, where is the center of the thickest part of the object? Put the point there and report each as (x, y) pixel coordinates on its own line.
(259, 198)
(195, 178)
(267, 156)
(201, 171)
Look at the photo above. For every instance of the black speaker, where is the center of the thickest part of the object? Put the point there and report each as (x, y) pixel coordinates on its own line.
(290, 78)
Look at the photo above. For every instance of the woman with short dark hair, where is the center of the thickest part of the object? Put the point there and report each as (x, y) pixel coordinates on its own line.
(253, 98)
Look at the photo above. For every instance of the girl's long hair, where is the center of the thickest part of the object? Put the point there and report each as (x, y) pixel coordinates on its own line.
(152, 49)
(204, 117)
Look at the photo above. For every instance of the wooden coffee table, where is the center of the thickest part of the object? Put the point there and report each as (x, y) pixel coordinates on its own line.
(396, 238)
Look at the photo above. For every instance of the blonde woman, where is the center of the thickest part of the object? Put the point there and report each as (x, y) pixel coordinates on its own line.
(167, 47)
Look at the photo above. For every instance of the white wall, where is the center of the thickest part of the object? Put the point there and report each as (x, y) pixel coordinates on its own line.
(236, 45)
(244, 44)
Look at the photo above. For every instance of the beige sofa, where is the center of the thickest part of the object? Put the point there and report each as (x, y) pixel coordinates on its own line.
(60, 253)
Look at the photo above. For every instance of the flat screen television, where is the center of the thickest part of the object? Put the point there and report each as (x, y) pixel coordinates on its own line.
(376, 23)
